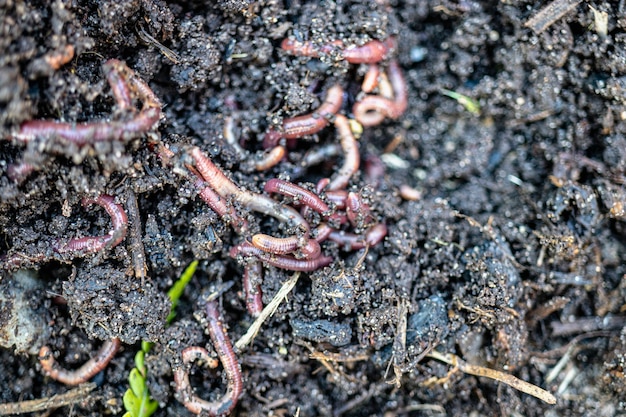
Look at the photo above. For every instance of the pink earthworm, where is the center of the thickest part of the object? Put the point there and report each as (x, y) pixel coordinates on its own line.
(357, 211)
(299, 194)
(281, 261)
(224, 348)
(351, 241)
(82, 134)
(224, 187)
(372, 109)
(85, 372)
(307, 124)
(369, 53)
(308, 248)
(218, 204)
(93, 244)
(370, 81)
(351, 155)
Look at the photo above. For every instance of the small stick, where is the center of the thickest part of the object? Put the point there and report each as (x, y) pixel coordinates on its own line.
(137, 249)
(267, 312)
(85, 372)
(503, 377)
(71, 397)
(549, 14)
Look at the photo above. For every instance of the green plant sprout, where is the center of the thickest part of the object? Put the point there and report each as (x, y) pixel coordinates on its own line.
(137, 399)
(470, 104)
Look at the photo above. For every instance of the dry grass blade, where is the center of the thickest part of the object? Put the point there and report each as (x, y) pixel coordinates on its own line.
(503, 377)
(56, 401)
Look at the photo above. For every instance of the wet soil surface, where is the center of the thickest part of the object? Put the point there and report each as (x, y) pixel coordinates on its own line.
(508, 249)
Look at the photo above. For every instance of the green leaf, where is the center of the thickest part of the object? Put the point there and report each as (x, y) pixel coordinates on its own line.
(139, 362)
(137, 382)
(179, 286)
(148, 406)
(131, 403)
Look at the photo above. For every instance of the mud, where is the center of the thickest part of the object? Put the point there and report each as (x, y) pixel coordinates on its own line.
(509, 253)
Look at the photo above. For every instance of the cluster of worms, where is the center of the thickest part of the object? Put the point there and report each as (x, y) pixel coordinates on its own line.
(310, 216)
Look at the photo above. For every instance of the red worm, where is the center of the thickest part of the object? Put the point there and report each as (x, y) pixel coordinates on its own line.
(299, 194)
(309, 248)
(219, 205)
(252, 278)
(370, 81)
(86, 133)
(223, 186)
(85, 372)
(357, 211)
(372, 109)
(223, 347)
(281, 261)
(93, 244)
(270, 158)
(20, 171)
(351, 241)
(368, 53)
(351, 155)
(307, 124)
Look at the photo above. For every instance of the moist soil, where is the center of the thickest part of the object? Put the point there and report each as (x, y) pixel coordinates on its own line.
(507, 251)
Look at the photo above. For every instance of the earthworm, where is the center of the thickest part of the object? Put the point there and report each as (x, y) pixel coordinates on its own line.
(82, 134)
(357, 211)
(266, 161)
(304, 197)
(117, 79)
(223, 186)
(307, 124)
(351, 241)
(309, 249)
(281, 261)
(85, 372)
(252, 277)
(321, 232)
(351, 151)
(299, 194)
(370, 81)
(320, 154)
(372, 109)
(223, 347)
(20, 171)
(60, 57)
(218, 204)
(93, 244)
(270, 158)
(368, 53)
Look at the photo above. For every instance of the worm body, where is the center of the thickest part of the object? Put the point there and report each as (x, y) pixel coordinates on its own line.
(122, 80)
(252, 277)
(85, 372)
(92, 244)
(351, 155)
(281, 261)
(221, 342)
(308, 124)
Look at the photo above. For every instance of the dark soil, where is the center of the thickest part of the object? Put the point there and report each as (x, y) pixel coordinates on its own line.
(512, 258)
